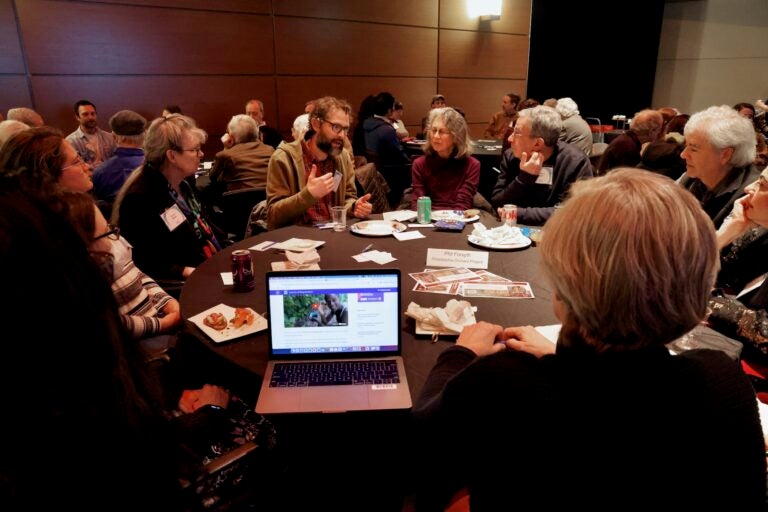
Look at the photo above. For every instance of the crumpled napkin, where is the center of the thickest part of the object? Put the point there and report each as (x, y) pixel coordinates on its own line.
(501, 235)
(449, 320)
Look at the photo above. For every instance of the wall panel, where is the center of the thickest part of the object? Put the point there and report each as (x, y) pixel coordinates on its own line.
(305, 46)
(479, 99)
(482, 55)
(143, 42)
(399, 12)
(410, 91)
(11, 60)
(210, 100)
(14, 92)
(252, 6)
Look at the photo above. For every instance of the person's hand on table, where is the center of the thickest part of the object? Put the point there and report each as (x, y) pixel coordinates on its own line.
(362, 207)
(481, 338)
(533, 164)
(527, 339)
(319, 186)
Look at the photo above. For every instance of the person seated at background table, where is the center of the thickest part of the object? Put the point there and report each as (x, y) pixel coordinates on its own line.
(438, 101)
(446, 173)
(384, 149)
(43, 163)
(270, 136)
(75, 376)
(504, 118)
(300, 178)
(157, 209)
(397, 121)
(748, 111)
(243, 164)
(128, 128)
(719, 150)
(538, 169)
(558, 416)
(624, 150)
(663, 155)
(148, 313)
(576, 130)
(747, 322)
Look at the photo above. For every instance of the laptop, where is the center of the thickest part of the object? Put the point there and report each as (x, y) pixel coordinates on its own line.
(349, 320)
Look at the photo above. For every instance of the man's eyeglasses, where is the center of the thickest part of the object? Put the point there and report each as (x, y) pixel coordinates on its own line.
(337, 128)
(113, 233)
(78, 162)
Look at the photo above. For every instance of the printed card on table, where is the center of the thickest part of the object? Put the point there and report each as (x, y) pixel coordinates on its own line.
(512, 290)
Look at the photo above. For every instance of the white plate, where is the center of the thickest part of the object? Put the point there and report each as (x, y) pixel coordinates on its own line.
(378, 227)
(230, 333)
(479, 242)
(453, 215)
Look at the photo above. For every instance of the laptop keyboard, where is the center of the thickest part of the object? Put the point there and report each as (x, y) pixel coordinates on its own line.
(334, 373)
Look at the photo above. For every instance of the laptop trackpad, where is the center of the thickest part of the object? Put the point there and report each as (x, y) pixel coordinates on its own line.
(335, 398)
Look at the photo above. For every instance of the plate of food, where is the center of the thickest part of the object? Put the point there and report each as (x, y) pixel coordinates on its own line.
(223, 323)
(456, 215)
(501, 238)
(378, 227)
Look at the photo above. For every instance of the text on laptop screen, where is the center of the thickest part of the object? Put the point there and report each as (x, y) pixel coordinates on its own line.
(334, 313)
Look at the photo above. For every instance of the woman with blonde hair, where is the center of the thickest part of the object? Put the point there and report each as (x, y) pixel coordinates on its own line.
(157, 209)
(607, 418)
(447, 172)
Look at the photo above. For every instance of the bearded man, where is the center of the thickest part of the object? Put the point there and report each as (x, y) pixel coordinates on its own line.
(307, 177)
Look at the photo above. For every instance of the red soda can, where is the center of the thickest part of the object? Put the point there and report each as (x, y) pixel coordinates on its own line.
(242, 271)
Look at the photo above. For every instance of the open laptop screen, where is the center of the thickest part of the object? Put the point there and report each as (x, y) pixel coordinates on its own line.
(334, 313)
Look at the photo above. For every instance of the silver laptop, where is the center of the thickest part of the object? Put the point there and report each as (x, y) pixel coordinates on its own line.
(334, 342)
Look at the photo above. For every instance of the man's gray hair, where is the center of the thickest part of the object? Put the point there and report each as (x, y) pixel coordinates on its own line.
(243, 129)
(545, 123)
(724, 128)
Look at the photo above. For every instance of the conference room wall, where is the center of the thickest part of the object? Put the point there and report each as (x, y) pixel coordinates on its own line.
(210, 57)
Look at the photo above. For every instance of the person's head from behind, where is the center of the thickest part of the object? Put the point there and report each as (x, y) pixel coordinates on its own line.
(717, 139)
(242, 129)
(128, 128)
(85, 114)
(567, 108)
(676, 124)
(300, 127)
(255, 110)
(619, 280)
(9, 128)
(171, 109)
(537, 129)
(647, 124)
(26, 115)
(447, 134)
(329, 122)
(39, 162)
(384, 105)
(174, 141)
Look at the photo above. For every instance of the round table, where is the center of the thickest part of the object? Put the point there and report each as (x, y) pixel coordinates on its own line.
(205, 289)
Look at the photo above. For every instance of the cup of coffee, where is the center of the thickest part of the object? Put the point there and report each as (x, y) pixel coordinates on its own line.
(339, 218)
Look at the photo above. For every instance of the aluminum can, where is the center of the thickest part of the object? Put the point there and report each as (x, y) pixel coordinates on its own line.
(242, 271)
(423, 210)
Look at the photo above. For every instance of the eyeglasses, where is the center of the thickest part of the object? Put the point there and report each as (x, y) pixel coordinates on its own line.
(112, 234)
(440, 131)
(518, 133)
(198, 149)
(78, 162)
(337, 128)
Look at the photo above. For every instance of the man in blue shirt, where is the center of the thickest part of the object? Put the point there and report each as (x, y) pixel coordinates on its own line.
(128, 129)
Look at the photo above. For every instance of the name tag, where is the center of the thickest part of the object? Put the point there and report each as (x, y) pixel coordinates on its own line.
(173, 217)
(545, 176)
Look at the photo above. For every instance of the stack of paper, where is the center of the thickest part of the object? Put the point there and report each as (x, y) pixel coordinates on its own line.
(303, 258)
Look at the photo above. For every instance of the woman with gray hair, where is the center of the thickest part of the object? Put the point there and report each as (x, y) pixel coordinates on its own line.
(719, 150)
(157, 209)
(607, 418)
(446, 173)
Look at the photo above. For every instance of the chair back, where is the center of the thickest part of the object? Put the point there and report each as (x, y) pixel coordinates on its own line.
(236, 207)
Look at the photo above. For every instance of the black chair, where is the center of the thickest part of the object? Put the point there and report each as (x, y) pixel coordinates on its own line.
(235, 208)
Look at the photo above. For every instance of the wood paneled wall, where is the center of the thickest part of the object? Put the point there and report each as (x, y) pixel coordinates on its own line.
(211, 57)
